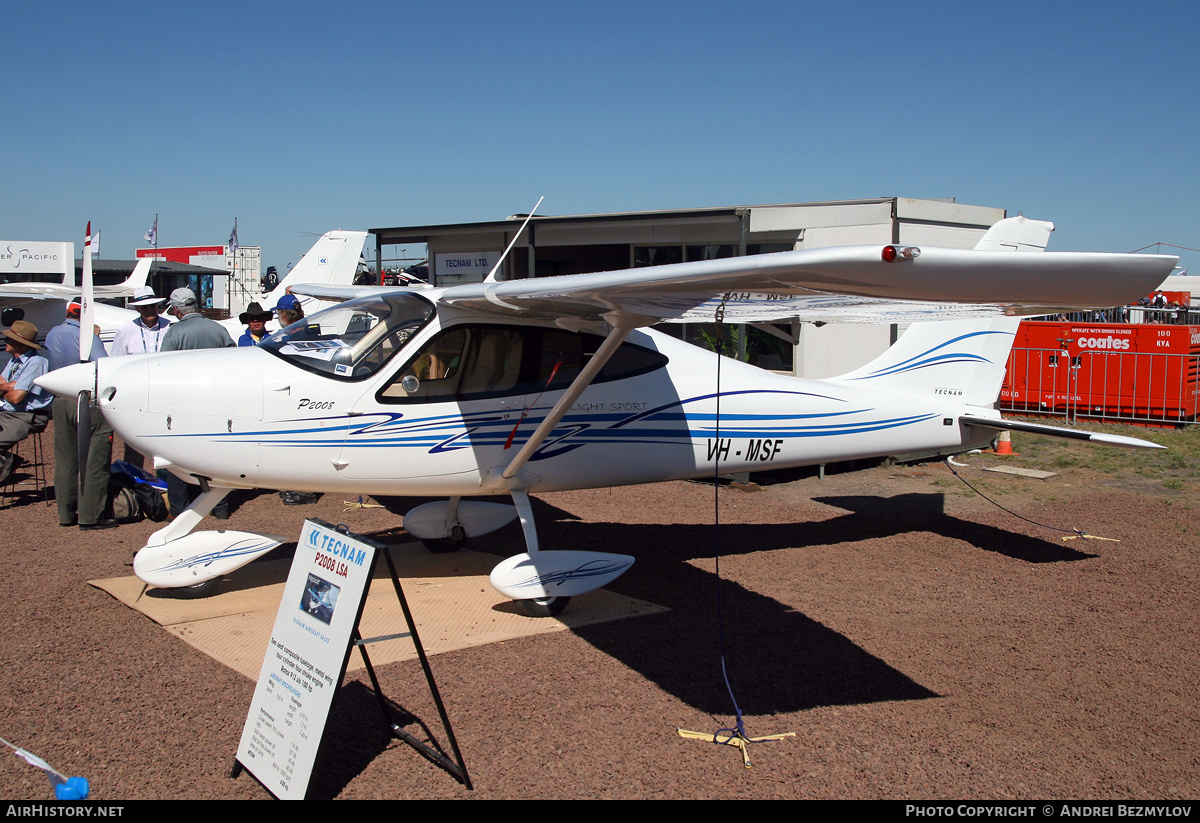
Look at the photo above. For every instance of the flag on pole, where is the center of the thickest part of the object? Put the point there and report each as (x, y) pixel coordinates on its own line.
(151, 236)
(233, 243)
(96, 244)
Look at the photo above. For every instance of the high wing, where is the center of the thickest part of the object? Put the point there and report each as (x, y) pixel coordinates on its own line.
(62, 291)
(847, 283)
(893, 283)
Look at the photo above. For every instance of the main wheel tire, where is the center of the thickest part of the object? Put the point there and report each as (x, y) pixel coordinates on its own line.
(197, 591)
(444, 546)
(544, 606)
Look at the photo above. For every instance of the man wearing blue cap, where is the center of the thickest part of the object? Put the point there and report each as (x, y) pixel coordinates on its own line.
(288, 310)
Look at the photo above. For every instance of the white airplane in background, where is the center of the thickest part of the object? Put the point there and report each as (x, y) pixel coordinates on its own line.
(332, 261)
(555, 383)
(45, 304)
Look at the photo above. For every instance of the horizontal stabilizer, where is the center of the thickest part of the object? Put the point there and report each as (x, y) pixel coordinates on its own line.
(1054, 431)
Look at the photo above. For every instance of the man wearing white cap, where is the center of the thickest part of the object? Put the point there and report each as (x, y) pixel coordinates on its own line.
(144, 335)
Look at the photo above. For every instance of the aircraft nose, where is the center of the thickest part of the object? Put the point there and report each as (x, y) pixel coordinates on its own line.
(69, 381)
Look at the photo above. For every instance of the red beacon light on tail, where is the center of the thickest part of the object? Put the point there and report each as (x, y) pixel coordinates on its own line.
(893, 253)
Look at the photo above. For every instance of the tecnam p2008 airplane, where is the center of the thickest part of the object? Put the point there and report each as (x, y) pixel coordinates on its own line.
(527, 386)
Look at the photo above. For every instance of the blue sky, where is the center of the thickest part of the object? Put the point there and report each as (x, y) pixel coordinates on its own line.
(300, 117)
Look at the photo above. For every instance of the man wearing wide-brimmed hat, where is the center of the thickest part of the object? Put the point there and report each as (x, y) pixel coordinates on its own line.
(255, 318)
(24, 407)
(144, 335)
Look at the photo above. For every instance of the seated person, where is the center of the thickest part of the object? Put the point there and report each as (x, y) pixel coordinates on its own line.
(24, 407)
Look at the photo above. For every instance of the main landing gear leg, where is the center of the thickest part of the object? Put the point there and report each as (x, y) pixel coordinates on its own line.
(181, 526)
(542, 606)
(189, 518)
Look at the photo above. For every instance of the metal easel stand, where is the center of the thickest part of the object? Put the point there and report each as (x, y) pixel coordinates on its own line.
(456, 767)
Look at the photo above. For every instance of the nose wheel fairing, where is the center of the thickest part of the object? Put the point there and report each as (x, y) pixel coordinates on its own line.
(173, 557)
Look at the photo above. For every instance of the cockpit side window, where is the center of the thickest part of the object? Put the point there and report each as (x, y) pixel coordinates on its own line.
(476, 362)
(354, 340)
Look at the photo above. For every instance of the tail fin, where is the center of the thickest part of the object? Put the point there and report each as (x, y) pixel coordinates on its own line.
(332, 261)
(964, 359)
(137, 278)
(1016, 234)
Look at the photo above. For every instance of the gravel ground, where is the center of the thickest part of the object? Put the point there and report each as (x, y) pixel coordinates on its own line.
(920, 642)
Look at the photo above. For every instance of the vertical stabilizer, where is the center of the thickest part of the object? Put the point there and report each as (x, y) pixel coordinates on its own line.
(961, 359)
(332, 261)
(1016, 234)
(137, 278)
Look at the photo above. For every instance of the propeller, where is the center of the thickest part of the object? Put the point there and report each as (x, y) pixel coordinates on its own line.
(83, 405)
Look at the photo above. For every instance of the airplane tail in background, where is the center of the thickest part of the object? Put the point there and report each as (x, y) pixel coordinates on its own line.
(137, 278)
(1016, 234)
(961, 358)
(332, 261)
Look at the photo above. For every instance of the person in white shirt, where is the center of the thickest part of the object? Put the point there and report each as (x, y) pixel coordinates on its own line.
(141, 336)
(144, 335)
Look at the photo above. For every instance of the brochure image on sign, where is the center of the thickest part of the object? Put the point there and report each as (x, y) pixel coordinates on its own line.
(319, 598)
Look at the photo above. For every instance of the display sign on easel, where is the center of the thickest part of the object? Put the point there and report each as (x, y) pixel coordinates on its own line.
(306, 658)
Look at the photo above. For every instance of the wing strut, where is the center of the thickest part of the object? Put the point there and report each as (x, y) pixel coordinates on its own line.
(622, 324)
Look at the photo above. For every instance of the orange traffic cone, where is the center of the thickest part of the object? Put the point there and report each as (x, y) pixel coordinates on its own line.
(1004, 445)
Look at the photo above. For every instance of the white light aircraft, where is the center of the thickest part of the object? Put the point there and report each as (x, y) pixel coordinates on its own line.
(537, 385)
(45, 304)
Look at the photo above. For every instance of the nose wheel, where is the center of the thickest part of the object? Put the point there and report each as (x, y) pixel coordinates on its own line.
(543, 606)
(195, 592)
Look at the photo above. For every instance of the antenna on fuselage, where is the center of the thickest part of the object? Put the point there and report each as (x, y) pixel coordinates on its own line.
(491, 278)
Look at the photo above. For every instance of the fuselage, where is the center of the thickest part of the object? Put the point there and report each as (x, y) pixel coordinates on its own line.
(443, 407)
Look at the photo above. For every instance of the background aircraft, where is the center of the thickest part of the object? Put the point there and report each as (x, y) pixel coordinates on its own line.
(332, 261)
(527, 386)
(45, 304)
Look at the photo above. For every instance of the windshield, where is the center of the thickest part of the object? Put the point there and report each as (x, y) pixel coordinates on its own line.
(353, 340)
